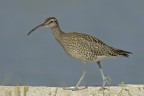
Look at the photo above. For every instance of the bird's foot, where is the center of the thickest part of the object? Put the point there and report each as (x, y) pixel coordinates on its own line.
(106, 80)
(102, 88)
(71, 88)
(75, 88)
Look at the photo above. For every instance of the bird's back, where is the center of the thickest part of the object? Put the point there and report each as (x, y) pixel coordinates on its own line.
(87, 48)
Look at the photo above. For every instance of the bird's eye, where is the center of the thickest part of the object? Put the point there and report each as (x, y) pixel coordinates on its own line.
(51, 21)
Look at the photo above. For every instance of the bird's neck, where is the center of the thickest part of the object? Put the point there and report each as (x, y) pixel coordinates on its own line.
(57, 32)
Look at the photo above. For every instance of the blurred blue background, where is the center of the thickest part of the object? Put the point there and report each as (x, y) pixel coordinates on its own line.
(39, 60)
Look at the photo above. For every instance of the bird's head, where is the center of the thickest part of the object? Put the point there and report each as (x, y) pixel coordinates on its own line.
(50, 22)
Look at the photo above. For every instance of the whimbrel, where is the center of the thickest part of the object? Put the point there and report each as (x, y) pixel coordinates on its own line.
(83, 47)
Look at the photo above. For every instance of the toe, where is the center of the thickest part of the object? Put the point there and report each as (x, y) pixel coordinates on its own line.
(70, 88)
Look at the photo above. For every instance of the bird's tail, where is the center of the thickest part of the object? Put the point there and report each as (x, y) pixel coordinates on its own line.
(122, 52)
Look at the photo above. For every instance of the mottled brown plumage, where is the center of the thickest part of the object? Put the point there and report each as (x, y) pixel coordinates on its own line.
(87, 48)
(81, 46)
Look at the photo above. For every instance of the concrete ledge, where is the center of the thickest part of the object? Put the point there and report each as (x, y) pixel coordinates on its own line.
(121, 90)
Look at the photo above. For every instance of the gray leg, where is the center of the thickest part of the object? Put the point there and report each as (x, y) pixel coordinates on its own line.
(103, 76)
(80, 80)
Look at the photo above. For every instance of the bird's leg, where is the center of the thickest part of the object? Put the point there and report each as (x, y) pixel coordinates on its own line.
(105, 79)
(80, 80)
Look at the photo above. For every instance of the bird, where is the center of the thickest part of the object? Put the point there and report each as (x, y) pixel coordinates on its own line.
(83, 47)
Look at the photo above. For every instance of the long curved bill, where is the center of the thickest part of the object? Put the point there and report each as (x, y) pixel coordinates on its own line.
(35, 28)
